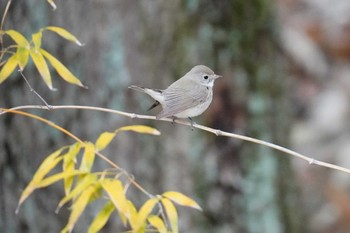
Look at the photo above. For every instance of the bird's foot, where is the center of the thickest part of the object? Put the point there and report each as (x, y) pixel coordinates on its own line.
(192, 123)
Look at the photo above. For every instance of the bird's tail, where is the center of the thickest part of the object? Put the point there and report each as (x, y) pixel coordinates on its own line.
(136, 88)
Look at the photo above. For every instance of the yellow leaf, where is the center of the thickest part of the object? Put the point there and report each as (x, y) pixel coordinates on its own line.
(59, 176)
(171, 214)
(61, 69)
(103, 140)
(133, 214)
(65, 34)
(88, 157)
(181, 199)
(69, 165)
(36, 37)
(52, 3)
(140, 129)
(42, 67)
(115, 191)
(102, 218)
(47, 165)
(18, 38)
(22, 57)
(80, 187)
(157, 223)
(78, 207)
(43, 183)
(8, 68)
(145, 210)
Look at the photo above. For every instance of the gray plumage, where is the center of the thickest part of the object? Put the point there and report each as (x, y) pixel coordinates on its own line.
(189, 96)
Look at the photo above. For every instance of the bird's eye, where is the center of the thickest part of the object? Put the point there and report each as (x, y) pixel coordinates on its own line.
(205, 77)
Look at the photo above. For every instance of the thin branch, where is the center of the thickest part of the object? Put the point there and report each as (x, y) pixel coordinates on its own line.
(32, 90)
(217, 132)
(114, 165)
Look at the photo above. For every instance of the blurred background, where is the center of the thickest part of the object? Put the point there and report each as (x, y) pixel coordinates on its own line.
(286, 71)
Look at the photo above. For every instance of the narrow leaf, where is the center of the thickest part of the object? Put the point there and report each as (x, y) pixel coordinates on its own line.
(80, 187)
(115, 191)
(88, 157)
(144, 212)
(78, 207)
(47, 165)
(103, 140)
(52, 3)
(181, 199)
(36, 37)
(8, 68)
(22, 57)
(57, 177)
(69, 165)
(18, 38)
(65, 34)
(140, 129)
(44, 183)
(171, 214)
(133, 215)
(157, 223)
(42, 67)
(61, 69)
(101, 219)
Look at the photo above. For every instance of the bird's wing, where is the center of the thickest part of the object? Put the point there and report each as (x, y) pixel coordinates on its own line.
(179, 98)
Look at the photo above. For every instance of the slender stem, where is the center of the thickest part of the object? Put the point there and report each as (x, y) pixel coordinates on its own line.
(310, 160)
(114, 165)
(32, 90)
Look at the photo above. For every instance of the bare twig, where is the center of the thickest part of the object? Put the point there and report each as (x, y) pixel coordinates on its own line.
(309, 160)
(36, 93)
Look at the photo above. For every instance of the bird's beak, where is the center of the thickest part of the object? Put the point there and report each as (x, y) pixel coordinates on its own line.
(217, 76)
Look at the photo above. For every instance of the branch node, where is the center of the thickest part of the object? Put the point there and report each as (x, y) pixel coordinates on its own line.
(218, 132)
(312, 161)
(133, 115)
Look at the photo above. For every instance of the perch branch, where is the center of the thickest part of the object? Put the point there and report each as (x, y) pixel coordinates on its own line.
(217, 132)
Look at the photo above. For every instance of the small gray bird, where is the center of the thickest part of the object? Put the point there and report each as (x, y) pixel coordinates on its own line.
(187, 97)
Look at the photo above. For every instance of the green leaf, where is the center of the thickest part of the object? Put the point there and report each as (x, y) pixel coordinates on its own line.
(78, 207)
(42, 67)
(18, 38)
(36, 37)
(171, 214)
(140, 129)
(157, 223)
(181, 199)
(8, 68)
(103, 140)
(22, 57)
(65, 34)
(115, 191)
(88, 180)
(101, 219)
(61, 69)
(88, 157)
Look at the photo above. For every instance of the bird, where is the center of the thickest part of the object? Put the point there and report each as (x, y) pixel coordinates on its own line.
(187, 97)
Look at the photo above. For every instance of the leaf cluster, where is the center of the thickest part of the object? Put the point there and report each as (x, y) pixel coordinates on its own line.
(18, 54)
(83, 186)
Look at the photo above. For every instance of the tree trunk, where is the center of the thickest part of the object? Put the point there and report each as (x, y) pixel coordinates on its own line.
(242, 187)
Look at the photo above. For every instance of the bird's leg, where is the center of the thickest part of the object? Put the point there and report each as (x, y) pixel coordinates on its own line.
(192, 122)
(173, 122)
